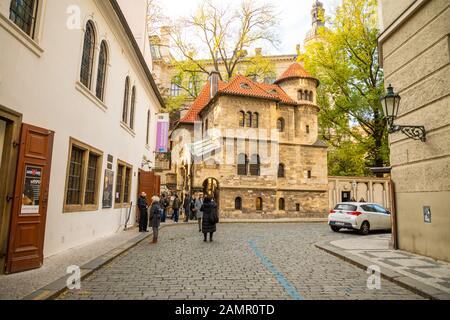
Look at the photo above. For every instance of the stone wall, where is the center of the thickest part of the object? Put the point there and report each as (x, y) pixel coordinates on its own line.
(416, 59)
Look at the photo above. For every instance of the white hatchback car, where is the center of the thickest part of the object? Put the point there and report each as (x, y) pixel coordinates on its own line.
(359, 216)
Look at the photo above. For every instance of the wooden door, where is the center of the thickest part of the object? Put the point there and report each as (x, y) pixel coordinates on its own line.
(149, 183)
(26, 240)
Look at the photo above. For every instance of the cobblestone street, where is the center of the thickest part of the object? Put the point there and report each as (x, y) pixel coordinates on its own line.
(246, 261)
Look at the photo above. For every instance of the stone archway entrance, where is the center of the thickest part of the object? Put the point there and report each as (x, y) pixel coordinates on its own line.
(211, 189)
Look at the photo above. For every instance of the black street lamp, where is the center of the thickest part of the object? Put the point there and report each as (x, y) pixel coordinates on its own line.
(391, 104)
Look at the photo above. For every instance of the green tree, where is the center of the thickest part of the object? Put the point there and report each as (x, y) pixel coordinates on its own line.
(345, 59)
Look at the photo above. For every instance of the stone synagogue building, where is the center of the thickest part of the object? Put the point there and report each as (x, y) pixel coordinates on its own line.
(255, 147)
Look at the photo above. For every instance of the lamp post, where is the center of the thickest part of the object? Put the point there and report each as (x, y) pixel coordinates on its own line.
(391, 104)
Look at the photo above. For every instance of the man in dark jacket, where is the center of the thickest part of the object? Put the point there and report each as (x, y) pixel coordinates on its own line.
(155, 217)
(164, 203)
(176, 208)
(210, 218)
(187, 206)
(143, 215)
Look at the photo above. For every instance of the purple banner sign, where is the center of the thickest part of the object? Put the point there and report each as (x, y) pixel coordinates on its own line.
(162, 133)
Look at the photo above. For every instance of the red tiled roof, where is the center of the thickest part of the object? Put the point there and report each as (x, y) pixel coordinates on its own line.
(295, 70)
(276, 91)
(241, 86)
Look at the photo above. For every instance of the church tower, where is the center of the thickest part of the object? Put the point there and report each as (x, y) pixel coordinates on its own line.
(318, 21)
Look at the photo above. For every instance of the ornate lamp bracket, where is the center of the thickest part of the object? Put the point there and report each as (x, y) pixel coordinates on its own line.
(412, 132)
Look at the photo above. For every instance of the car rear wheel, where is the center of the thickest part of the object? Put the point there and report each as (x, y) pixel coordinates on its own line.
(365, 228)
(335, 229)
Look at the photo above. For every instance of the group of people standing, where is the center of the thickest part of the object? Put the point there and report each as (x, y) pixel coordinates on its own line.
(204, 210)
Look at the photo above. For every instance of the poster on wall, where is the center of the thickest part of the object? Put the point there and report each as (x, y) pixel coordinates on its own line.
(31, 190)
(108, 189)
(162, 133)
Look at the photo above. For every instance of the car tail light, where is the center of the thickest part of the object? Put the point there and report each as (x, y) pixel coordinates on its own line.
(332, 211)
(355, 213)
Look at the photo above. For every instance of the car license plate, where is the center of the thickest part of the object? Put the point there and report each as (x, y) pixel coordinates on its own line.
(339, 223)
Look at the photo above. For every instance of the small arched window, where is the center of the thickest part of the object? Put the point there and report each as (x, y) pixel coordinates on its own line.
(259, 204)
(133, 107)
(255, 120)
(238, 203)
(281, 171)
(248, 119)
(280, 125)
(242, 164)
(126, 99)
(24, 14)
(311, 96)
(281, 204)
(87, 59)
(101, 71)
(300, 95)
(255, 165)
(242, 119)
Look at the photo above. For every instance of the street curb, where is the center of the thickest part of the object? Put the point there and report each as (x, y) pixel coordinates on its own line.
(58, 287)
(408, 283)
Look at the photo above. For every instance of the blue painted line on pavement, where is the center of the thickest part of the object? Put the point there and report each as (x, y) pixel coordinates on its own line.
(290, 289)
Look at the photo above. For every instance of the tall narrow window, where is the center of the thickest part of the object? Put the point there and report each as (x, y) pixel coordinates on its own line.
(300, 95)
(311, 96)
(101, 72)
(92, 179)
(133, 107)
(248, 119)
(175, 90)
(242, 119)
(309, 174)
(126, 99)
(75, 177)
(281, 204)
(147, 137)
(259, 204)
(255, 120)
(238, 203)
(23, 13)
(255, 165)
(119, 183)
(87, 60)
(242, 164)
(280, 125)
(307, 129)
(127, 186)
(281, 171)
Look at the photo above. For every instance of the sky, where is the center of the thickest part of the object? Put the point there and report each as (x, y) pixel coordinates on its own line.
(295, 19)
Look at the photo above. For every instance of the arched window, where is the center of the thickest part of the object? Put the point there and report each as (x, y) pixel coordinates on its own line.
(248, 119)
(242, 164)
(242, 119)
(24, 13)
(133, 107)
(308, 130)
(126, 99)
(300, 95)
(206, 128)
(255, 165)
(259, 204)
(311, 96)
(281, 204)
(101, 71)
(238, 203)
(280, 125)
(255, 120)
(281, 171)
(87, 60)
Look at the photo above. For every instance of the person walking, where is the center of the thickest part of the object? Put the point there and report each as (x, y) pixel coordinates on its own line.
(143, 215)
(155, 217)
(210, 218)
(176, 208)
(164, 203)
(198, 212)
(187, 207)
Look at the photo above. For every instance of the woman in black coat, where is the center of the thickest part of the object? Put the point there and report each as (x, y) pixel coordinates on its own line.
(210, 218)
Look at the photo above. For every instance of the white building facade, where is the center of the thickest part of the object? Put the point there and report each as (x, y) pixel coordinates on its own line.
(78, 107)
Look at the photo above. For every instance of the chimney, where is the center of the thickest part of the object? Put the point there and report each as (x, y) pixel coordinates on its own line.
(214, 83)
(258, 51)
